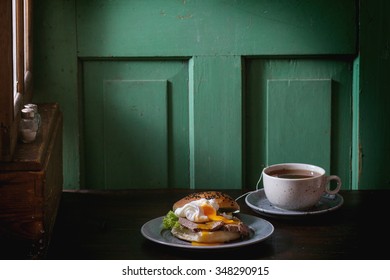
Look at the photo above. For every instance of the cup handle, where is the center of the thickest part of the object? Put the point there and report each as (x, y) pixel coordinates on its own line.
(338, 187)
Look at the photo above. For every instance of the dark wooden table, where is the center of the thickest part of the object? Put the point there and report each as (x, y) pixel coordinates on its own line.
(106, 225)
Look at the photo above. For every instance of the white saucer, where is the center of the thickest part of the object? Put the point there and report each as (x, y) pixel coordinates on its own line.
(259, 203)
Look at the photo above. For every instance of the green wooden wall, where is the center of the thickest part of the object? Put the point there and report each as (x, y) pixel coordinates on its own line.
(373, 96)
(208, 63)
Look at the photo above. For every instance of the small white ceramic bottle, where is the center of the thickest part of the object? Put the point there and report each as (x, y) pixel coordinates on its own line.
(37, 115)
(28, 127)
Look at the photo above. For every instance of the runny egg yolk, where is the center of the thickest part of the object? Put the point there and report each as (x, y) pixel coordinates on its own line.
(211, 213)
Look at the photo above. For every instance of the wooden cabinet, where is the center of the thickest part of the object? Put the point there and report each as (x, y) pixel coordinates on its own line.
(30, 190)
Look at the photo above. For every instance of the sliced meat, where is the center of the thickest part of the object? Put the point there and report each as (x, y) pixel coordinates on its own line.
(209, 226)
(240, 227)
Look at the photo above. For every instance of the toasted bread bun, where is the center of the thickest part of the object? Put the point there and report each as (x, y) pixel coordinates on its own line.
(225, 202)
(205, 236)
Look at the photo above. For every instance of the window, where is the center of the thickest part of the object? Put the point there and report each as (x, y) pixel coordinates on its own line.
(15, 70)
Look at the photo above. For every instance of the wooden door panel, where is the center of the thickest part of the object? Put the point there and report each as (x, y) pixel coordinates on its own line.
(135, 134)
(299, 121)
(298, 109)
(135, 124)
(216, 122)
(160, 28)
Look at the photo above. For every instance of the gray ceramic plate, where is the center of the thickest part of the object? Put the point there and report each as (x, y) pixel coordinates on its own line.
(259, 203)
(260, 230)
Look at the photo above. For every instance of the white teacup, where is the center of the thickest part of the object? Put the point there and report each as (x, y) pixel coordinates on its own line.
(297, 186)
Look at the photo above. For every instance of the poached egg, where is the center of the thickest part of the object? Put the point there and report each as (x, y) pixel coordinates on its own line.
(201, 211)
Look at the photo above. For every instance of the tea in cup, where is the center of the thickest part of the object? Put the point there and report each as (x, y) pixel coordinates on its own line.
(297, 186)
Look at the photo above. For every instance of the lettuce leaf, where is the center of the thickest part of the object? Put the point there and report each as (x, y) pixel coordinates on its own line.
(170, 220)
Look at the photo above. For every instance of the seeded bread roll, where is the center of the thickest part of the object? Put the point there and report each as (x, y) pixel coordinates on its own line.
(225, 202)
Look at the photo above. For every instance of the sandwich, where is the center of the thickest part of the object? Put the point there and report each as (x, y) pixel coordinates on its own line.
(206, 218)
